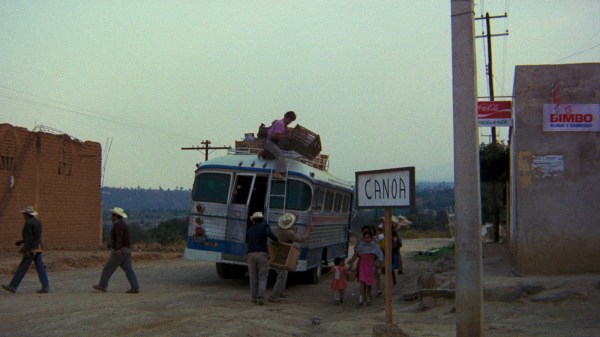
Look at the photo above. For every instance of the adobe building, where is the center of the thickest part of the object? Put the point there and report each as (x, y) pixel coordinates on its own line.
(60, 177)
(555, 148)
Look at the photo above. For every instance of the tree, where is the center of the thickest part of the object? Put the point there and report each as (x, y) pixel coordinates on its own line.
(170, 232)
(494, 168)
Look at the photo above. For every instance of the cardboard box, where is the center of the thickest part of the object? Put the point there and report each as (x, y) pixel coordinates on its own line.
(283, 256)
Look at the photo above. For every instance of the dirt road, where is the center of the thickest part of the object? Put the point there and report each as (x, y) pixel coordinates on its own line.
(186, 298)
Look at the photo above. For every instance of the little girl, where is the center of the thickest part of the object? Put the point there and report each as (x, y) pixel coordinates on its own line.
(370, 257)
(338, 284)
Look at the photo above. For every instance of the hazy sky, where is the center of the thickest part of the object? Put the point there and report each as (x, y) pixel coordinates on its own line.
(373, 78)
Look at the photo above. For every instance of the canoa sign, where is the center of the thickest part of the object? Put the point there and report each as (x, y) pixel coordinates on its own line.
(386, 188)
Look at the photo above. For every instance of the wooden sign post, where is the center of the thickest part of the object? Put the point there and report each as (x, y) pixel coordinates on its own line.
(386, 189)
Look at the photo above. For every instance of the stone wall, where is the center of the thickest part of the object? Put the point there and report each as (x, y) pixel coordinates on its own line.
(60, 177)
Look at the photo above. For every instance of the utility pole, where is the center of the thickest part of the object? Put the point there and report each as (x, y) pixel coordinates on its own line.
(490, 72)
(469, 269)
(206, 147)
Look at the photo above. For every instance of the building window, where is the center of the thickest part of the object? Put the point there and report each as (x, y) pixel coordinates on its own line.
(7, 163)
(65, 160)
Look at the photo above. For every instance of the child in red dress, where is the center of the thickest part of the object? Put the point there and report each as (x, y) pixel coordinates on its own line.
(338, 284)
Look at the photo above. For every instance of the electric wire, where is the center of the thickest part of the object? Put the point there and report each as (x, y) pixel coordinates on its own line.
(41, 104)
(578, 53)
(505, 47)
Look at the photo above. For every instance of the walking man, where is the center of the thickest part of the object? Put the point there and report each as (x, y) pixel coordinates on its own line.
(32, 252)
(286, 232)
(120, 255)
(257, 256)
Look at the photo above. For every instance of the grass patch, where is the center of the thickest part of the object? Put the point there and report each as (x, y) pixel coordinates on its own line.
(436, 254)
(414, 234)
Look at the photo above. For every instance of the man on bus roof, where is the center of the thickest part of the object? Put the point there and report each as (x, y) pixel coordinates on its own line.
(278, 131)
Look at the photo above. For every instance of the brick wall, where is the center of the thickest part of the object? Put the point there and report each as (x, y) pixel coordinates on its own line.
(60, 177)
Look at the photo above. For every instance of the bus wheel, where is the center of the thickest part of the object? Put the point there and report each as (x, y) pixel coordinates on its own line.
(223, 270)
(237, 271)
(314, 275)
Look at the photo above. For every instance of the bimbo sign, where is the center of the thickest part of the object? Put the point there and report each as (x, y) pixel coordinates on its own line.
(572, 117)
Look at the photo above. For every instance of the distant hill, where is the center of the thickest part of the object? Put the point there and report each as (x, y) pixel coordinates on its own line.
(137, 199)
(150, 206)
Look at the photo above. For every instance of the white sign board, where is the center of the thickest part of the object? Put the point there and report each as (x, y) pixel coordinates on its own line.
(386, 188)
(572, 117)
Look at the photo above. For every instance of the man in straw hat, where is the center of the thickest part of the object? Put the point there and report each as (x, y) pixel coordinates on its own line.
(257, 256)
(120, 255)
(286, 232)
(32, 252)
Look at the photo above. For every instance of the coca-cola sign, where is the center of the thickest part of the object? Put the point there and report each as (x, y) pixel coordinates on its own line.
(494, 113)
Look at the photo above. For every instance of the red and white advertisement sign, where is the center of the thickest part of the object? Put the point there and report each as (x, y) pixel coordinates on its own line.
(495, 113)
(572, 117)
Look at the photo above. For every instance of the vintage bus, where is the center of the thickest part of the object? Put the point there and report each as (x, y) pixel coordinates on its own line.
(229, 189)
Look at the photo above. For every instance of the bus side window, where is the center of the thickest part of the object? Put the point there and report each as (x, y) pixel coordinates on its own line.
(346, 203)
(337, 204)
(328, 202)
(298, 195)
(319, 195)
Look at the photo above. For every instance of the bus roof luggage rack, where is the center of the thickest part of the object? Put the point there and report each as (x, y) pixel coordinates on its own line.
(249, 145)
(319, 161)
(304, 141)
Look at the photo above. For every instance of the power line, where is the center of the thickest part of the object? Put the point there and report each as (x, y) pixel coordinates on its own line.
(489, 36)
(577, 53)
(207, 147)
(39, 102)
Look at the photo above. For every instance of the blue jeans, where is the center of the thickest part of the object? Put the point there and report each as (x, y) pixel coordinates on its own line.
(280, 164)
(122, 260)
(258, 271)
(24, 267)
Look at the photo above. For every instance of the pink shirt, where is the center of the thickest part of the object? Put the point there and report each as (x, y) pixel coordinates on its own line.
(277, 127)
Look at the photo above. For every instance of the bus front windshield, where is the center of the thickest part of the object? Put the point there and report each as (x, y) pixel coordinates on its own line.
(211, 187)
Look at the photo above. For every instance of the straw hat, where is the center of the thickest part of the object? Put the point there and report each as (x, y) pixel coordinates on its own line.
(286, 221)
(29, 210)
(119, 212)
(256, 215)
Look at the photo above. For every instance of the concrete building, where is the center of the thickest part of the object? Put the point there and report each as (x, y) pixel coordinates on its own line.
(555, 192)
(60, 177)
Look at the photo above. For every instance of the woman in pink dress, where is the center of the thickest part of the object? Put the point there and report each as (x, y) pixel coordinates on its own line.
(370, 257)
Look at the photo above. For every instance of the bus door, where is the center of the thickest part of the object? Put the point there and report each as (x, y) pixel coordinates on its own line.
(237, 217)
(258, 197)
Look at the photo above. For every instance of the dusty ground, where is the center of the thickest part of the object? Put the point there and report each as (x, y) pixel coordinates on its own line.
(186, 298)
